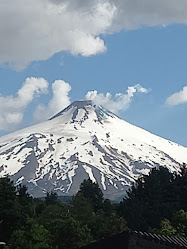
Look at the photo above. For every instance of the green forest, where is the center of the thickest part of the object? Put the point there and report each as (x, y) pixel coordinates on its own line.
(157, 203)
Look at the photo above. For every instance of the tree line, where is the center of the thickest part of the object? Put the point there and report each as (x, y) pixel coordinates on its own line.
(157, 203)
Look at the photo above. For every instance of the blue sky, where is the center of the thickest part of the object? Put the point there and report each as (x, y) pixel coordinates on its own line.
(145, 52)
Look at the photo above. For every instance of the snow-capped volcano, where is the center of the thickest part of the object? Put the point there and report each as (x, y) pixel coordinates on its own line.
(84, 140)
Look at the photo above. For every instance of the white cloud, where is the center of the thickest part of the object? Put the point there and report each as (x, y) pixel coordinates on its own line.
(58, 102)
(12, 107)
(60, 99)
(178, 97)
(117, 102)
(36, 29)
(135, 14)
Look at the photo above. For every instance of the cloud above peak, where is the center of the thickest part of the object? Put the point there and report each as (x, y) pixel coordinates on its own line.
(12, 107)
(60, 99)
(37, 29)
(178, 97)
(118, 102)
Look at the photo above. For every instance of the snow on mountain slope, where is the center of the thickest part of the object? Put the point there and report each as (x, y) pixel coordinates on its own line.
(84, 141)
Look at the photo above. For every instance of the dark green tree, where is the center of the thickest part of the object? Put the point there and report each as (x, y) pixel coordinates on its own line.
(177, 225)
(150, 200)
(53, 212)
(51, 198)
(31, 236)
(91, 192)
(99, 215)
(10, 209)
(82, 209)
(26, 202)
(179, 222)
(103, 225)
(68, 233)
(65, 229)
(181, 183)
(166, 229)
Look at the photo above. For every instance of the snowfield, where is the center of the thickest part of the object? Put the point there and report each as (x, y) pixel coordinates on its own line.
(84, 141)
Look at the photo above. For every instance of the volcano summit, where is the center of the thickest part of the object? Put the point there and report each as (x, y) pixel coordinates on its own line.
(84, 140)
